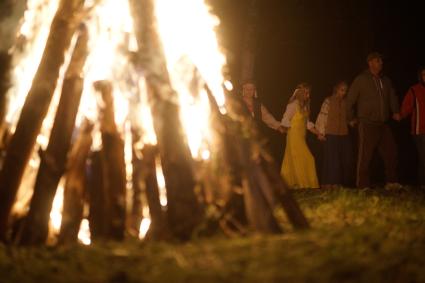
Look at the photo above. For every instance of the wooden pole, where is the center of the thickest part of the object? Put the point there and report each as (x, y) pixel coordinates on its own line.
(36, 106)
(53, 160)
(184, 212)
(113, 148)
(75, 186)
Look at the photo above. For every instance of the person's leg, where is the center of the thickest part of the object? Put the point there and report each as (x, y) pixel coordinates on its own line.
(346, 160)
(420, 145)
(368, 140)
(330, 161)
(388, 151)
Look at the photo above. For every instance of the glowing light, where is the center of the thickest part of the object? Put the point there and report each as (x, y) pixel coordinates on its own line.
(56, 212)
(144, 227)
(161, 184)
(228, 85)
(206, 154)
(84, 232)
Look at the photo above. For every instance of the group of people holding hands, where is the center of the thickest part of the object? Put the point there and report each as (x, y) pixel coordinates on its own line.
(368, 104)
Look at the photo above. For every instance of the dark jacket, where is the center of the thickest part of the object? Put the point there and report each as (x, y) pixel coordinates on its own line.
(374, 98)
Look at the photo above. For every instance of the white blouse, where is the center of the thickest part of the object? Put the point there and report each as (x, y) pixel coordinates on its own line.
(290, 111)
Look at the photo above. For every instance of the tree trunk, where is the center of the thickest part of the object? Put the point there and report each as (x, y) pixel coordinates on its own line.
(75, 186)
(53, 160)
(113, 150)
(36, 106)
(184, 212)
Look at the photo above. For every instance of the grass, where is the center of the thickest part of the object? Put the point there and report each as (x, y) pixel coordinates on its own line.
(356, 236)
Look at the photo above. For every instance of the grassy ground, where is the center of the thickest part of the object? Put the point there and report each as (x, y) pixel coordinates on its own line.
(356, 236)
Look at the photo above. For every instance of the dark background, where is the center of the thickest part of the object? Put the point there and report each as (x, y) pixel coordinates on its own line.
(322, 42)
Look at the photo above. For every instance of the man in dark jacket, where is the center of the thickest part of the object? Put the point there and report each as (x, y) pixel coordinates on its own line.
(376, 102)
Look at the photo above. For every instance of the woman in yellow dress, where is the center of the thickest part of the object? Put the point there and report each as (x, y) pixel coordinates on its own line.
(298, 167)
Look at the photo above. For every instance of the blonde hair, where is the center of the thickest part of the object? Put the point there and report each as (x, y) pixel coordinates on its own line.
(299, 95)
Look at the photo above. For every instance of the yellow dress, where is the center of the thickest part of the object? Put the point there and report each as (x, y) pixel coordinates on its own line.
(298, 168)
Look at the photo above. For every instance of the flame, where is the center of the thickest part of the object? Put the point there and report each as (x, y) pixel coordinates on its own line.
(161, 183)
(56, 213)
(144, 227)
(27, 52)
(84, 232)
(193, 57)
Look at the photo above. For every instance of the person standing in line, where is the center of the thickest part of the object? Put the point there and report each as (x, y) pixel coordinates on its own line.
(333, 128)
(414, 104)
(257, 110)
(374, 97)
(298, 166)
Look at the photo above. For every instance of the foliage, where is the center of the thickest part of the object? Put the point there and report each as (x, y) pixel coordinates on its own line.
(356, 236)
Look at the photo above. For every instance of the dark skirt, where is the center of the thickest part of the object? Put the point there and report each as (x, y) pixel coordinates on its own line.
(337, 161)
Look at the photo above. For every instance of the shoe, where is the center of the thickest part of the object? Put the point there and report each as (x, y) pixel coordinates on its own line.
(393, 186)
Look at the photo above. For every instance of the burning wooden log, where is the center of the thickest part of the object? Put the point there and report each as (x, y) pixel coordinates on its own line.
(5, 60)
(113, 148)
(259, 203)
(75, 185)
(277, 191)
(184, 212)
(53, 159)
(158, 228)
(98, 199)
(11, 13)
(36, 105)
(136, 213)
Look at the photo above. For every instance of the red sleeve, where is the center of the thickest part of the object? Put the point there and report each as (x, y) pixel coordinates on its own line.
(408, 104)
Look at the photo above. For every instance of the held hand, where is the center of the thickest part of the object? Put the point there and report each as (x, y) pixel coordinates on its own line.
(321, 137)
(352, 123)
(282, 129)
(397, 117)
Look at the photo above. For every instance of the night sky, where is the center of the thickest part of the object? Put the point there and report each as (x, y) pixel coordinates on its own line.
(322, 42)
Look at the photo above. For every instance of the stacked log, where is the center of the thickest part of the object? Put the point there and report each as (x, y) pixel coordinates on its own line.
(53, 159)
(184, 212)
(36, 106)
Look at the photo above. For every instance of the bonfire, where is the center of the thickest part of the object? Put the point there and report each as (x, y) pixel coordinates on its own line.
(121, 121)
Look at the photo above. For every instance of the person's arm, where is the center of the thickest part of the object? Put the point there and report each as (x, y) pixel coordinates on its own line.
(268, 118)
(290, 111)
(351, 100)
(322, 118)
(407, 104)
